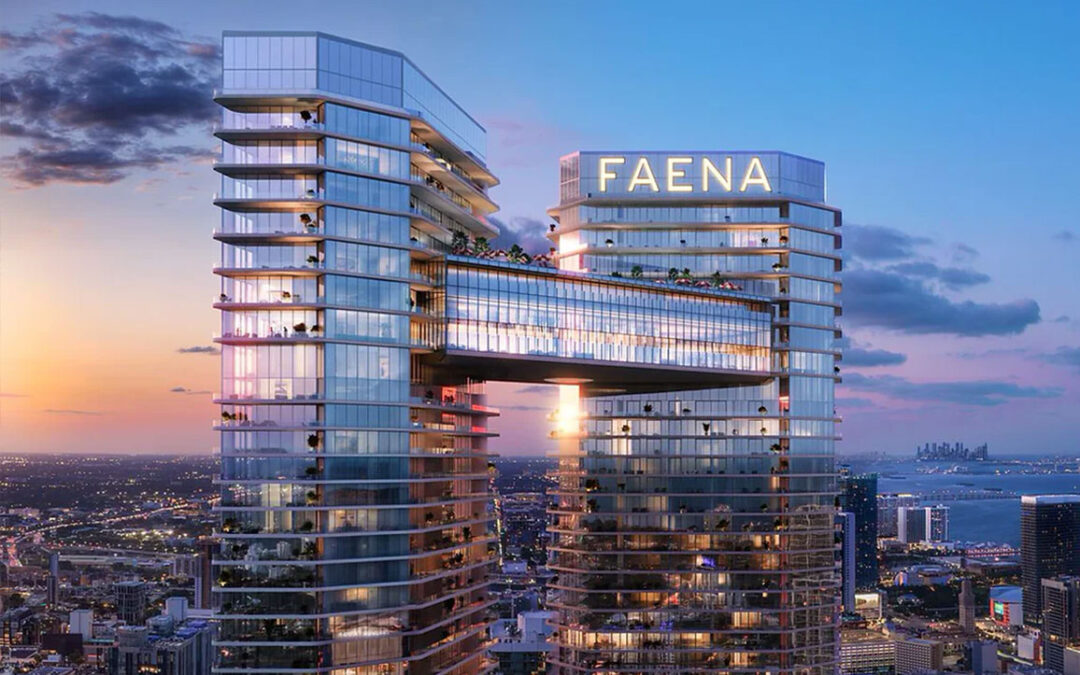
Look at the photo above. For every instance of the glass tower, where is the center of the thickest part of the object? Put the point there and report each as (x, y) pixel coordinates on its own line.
(1049, 545)
(859, 496)
(694, 525)
(354, 516)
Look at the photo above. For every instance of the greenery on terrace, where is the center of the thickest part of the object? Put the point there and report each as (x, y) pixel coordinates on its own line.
(481, 248)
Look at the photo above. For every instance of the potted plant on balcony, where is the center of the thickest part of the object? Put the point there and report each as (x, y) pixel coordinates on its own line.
(313, 260)
(647, 408)
(762, 410)
(459, 242)
(705, 427)
(300, 328)
(626, 428)
(313, 441)
(636, 272)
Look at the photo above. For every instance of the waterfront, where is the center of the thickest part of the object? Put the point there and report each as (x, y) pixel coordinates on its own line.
(996, 520)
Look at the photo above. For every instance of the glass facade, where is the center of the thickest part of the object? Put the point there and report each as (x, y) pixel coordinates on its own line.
(355, 521)
(693, 529)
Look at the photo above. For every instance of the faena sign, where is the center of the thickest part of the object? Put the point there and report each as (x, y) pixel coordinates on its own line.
(675, 170)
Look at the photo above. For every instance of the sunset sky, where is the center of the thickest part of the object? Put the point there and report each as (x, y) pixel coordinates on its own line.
(948, 131)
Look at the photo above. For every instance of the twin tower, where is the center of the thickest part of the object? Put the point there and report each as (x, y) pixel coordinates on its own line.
(687, 309)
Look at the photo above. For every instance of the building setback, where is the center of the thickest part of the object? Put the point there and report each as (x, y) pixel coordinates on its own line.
(687, 311)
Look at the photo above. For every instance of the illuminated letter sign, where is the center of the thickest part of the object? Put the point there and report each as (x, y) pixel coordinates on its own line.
(606, 175)
(643, 175)
(755, 175)
(673, 173)
(708, 168)
(718, 178)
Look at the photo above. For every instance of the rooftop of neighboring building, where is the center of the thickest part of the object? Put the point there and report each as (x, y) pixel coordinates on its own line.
(1050, 499)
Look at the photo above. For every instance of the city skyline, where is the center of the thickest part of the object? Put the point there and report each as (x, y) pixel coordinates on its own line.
(953, 285)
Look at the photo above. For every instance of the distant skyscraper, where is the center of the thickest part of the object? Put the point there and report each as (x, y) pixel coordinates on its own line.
(967, 607)
(1049, 545)
(923, 524)
(204, 579)
(52, 588)
(1060, 618)
(860, 499)
(887, 507)
(845, 527)
(937, 523)
(131, 602)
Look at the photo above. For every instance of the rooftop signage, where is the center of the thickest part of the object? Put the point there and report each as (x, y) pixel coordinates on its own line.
(679, 173)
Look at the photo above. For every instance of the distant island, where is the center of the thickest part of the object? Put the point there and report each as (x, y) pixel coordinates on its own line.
(951, 452)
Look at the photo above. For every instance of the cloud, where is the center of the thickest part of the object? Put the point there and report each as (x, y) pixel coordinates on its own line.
(1011, 351)
(525, 407)
(974, 392)
(92, 93)
(190, 392)
(1066, 236)
(952, 277)
(56, 411)
(199, 349)
(876, 242)
(888, 299)
(537, 389)
(853, 402)
(868, 358)
(963, 253)
(1063, 356)
(528, 233)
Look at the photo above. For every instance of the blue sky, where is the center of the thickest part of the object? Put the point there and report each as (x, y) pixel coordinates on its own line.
(948, 131)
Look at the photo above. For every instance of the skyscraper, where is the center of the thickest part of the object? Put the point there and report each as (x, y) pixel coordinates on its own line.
(929, 524)
(859, 497)
(130, 597)
(691, 329)
(693, 515)
(967, 607)
(1049, 545)
(888, 505)
(1060, 618)
(845, 526)
(355, 521)
(52, 589)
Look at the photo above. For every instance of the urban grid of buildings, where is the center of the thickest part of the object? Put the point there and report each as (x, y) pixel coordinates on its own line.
(692, 519)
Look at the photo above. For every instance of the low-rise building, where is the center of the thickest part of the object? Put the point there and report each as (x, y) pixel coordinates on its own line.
(866, 652)
(1007, 605)
(916, 655)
